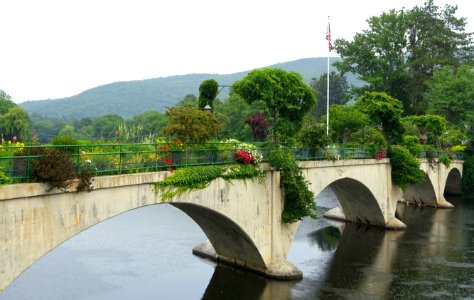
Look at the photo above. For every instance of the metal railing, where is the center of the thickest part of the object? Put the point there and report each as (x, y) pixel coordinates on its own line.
(106, 159)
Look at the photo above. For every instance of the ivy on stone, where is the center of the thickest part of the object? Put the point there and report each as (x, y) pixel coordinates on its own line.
(299, 200)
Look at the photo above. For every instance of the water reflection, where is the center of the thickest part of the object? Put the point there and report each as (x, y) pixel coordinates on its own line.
(326, 238)
(229, 283)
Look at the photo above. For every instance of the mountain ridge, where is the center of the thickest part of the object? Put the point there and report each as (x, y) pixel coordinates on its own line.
(129, 98)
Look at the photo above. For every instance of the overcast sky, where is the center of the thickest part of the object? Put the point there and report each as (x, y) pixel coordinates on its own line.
(57, 48)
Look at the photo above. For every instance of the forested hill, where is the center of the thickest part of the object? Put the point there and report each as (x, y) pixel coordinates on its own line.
(130, 98)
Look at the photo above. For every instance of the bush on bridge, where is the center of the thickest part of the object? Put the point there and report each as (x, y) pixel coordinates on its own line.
(405, 167)
(299, 200)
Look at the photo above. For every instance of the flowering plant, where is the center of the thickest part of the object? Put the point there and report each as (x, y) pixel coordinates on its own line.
(381, 155)
(244, 157)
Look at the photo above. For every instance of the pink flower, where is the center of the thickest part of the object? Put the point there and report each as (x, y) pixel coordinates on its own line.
(116, 133)
(14, 138)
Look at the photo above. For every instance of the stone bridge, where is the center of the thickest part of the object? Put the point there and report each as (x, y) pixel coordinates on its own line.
(242, 219)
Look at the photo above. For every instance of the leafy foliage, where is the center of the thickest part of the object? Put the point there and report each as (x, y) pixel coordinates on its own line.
(66, 140)
(405, 167)
(383, 110)
(400, 50)
(338, 95)
(191, 124)
(313, 134)
(6, 102)
(299, 200)
(193, 178)
(451, 94)
(370, 136)
(429, 128)
(284, 93)
(259, 125)
(16, 122)
(412, 143)
(56, 168)
(344, 120)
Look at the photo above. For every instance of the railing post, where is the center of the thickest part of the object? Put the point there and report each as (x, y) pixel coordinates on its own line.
(78, 159)
(120, 159)
(28, 166)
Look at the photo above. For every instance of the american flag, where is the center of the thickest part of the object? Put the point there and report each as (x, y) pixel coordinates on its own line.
(328, 37)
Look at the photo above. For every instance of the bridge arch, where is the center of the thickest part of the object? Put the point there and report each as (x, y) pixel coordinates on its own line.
(421, 194)
(453, 182)
(227, 238)
(358, 203)
(440, 179)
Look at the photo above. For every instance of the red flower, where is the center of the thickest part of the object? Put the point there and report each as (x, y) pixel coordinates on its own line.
(243, 157)
(380, 155)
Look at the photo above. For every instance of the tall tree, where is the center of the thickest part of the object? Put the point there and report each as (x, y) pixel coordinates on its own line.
(451, 94)
(5, 102)
(284, 93)
(149, 122)
(105, 127)
(338, 95)
(401, 49)
(16, 122)
(435, 38)
(378, 54)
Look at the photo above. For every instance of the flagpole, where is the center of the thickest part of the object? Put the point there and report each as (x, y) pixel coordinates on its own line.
(327, 90)
(327, 101)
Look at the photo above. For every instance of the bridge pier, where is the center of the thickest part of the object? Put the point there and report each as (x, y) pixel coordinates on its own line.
(244, 225)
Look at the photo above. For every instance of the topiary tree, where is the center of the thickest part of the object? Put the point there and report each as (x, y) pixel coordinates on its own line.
(207, 93)
(284, 93)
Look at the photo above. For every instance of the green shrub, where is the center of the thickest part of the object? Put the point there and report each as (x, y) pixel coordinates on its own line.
(72, 143)
(405, 167)
(412, 143)
(56, 168)
(445, 160)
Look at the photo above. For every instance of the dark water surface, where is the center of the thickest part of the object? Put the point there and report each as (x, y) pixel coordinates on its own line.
(146, 254)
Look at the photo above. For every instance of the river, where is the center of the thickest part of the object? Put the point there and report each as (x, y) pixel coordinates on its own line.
(146, 254)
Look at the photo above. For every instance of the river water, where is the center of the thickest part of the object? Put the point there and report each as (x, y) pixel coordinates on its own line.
(146, 254)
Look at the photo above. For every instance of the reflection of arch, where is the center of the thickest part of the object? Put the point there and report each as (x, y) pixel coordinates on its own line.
(358, 203)
(228, 239)
(453, 183)
(422, 194)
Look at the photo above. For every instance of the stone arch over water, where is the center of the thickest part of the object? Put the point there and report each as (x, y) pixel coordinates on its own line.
(227, 238)
(358, 203)
(421, 194)
(453, 182)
